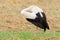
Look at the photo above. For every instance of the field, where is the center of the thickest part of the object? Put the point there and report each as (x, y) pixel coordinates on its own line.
(13, 25)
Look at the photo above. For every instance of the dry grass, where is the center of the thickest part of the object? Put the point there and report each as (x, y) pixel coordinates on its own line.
(12, 20)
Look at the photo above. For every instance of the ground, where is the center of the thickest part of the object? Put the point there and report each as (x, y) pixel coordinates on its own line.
(12, 20)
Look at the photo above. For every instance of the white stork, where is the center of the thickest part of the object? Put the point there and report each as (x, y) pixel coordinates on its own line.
(35, 15)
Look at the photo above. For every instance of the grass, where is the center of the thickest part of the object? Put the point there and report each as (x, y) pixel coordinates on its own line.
(26, 35)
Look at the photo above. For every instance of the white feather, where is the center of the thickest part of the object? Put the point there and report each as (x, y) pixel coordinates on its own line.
(31, 12)
(28, 14)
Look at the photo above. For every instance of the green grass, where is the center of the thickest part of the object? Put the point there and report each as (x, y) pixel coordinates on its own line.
(26, 35)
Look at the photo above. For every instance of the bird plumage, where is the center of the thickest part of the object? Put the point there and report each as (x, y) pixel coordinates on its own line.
(36, 16)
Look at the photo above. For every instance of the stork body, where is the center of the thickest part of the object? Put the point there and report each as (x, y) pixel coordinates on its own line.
(36, 16)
